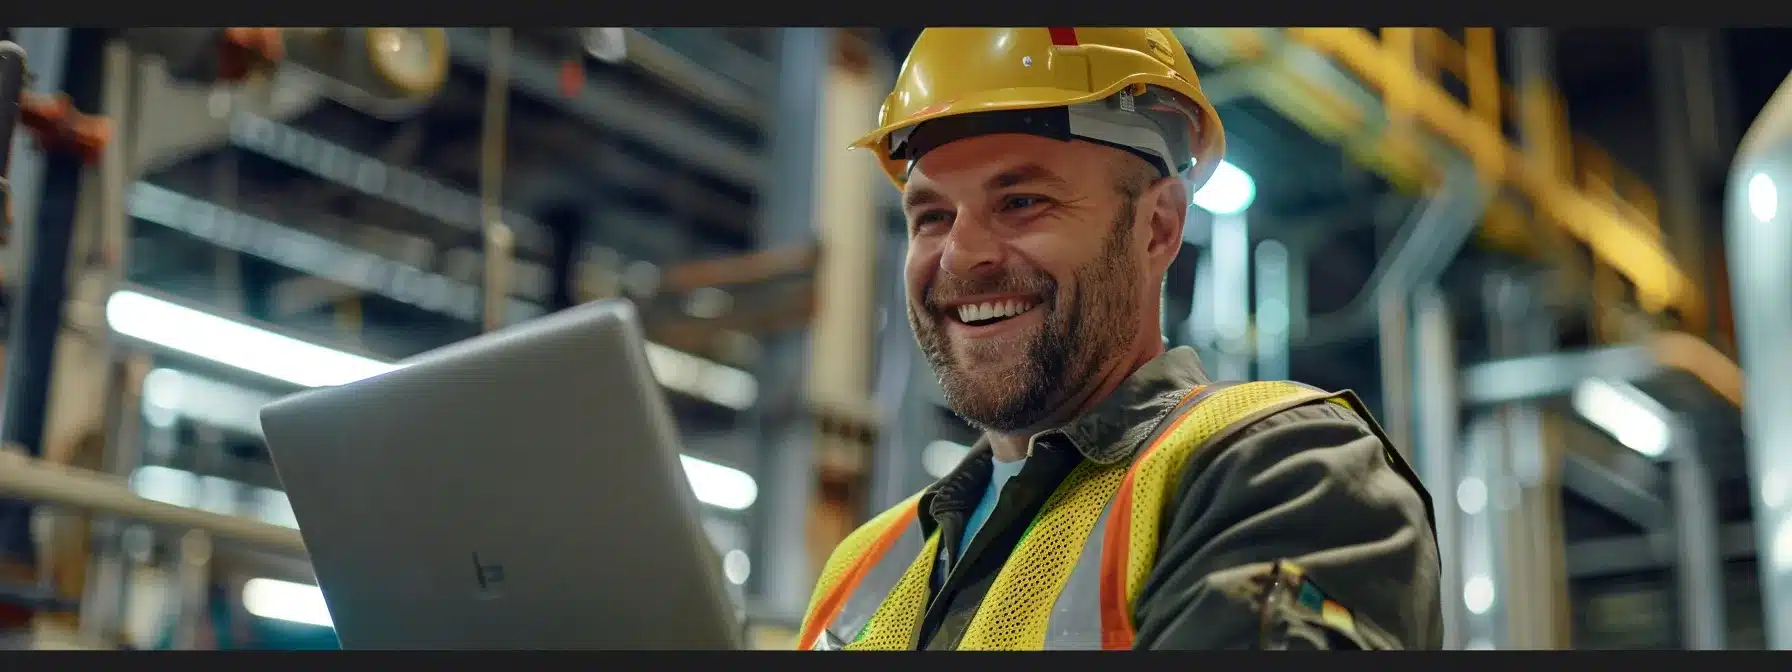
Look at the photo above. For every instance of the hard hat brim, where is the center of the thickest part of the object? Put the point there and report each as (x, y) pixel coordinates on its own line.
(1212, 137)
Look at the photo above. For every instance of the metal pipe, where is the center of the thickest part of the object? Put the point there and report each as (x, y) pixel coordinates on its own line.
(1397, 399)
(192, 587)
(44, 483)
(1700, 575)
(102, 606)
(1434, 234)
(1678, 93)
(500, 242)
(1438, 432)
(1624, 244)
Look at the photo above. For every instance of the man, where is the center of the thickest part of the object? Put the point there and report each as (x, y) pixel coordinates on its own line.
(1118, 498)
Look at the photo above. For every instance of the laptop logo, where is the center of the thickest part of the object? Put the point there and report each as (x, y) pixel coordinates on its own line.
(488, 576)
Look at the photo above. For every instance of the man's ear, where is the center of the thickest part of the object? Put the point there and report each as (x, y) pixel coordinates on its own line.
(1168, 201)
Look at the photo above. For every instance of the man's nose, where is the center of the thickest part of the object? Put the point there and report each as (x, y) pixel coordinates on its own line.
(971, 249)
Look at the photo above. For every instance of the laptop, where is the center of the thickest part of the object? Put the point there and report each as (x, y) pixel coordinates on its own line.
(518, 490)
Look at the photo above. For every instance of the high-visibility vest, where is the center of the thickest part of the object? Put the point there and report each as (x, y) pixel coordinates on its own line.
(1071, 580)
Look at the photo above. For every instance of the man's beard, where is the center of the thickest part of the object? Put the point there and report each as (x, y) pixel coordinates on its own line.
(1066, 351)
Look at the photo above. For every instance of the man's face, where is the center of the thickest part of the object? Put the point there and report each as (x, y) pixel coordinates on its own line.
(1024, 272)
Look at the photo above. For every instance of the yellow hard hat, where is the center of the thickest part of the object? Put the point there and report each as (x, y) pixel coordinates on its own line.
(984, 79)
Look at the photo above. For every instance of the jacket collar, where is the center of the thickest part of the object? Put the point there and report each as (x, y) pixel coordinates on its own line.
(1111, 432)
(1118, 427)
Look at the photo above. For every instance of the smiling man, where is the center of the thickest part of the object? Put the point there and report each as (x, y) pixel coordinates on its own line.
(1118, 497)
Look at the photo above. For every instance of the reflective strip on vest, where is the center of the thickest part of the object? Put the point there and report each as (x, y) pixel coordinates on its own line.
(1075, 623)
(1042, 604)
(873, 588)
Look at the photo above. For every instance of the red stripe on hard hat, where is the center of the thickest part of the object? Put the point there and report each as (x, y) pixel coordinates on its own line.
(1063, 37)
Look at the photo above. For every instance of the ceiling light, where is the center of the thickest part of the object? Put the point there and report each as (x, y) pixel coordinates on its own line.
(1228, 192)
(286, 601)
(1617, 410)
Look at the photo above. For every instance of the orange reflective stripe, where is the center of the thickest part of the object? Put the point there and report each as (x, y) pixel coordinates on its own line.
(829, 606)
(1116, 614)
(1116, 617)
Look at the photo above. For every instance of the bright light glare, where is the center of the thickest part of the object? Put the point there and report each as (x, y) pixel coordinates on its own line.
(941, 457)
(1477, 594)
(286, 601)
(242, 346)
(1763, 197)
(1471, 495)
(168, 393)
(1228, 192)
(188, 395)
(1782, 545)
(1620, 415)
(205, 335)
(720, 486)
(309, 365)
(736, 566)
(702, 378)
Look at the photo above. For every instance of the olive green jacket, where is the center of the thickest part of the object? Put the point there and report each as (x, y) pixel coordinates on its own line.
(1303, 508)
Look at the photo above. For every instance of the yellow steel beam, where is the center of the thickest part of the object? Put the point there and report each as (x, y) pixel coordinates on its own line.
(1616, 239)
(1314, 107)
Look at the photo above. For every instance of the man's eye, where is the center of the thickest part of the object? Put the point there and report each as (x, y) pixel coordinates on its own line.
(931, 218)
(1012, 203)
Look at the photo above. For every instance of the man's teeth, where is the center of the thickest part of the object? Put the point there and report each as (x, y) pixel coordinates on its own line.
(993, 310)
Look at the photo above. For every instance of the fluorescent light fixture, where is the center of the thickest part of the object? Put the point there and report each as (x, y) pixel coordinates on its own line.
(1616, 409)
(702, 378)
(170, 394)
(280, 357)
(1477, 594)
(719, 486)
(305, 364)
(286, 601)
(1228, 192)
(182, 394)
(941, 457)
(201, 334)
(222, 496)
(1763, 197)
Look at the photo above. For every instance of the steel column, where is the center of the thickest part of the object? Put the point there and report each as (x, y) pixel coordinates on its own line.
(37, 316)
(786, 437)
(1759, 237)
(1231, 292)
(1700, 575)
(102, 606)
(1437, 412)
(1272, 321)
(1680, 91)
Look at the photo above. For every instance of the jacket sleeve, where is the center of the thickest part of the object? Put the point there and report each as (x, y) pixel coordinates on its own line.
(1295, 533)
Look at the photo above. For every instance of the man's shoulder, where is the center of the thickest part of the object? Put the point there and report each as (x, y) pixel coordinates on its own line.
(1331, 437)
(1266, 405)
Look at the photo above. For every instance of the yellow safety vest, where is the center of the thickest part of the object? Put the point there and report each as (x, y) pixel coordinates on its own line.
(872, 594)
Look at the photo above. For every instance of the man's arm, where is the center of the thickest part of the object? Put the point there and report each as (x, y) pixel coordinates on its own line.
(1298, 510)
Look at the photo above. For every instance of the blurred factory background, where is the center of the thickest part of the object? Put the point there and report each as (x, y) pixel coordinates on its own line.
(1528, 250)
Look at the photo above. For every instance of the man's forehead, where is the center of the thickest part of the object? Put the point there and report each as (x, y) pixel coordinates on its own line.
(956, 168)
